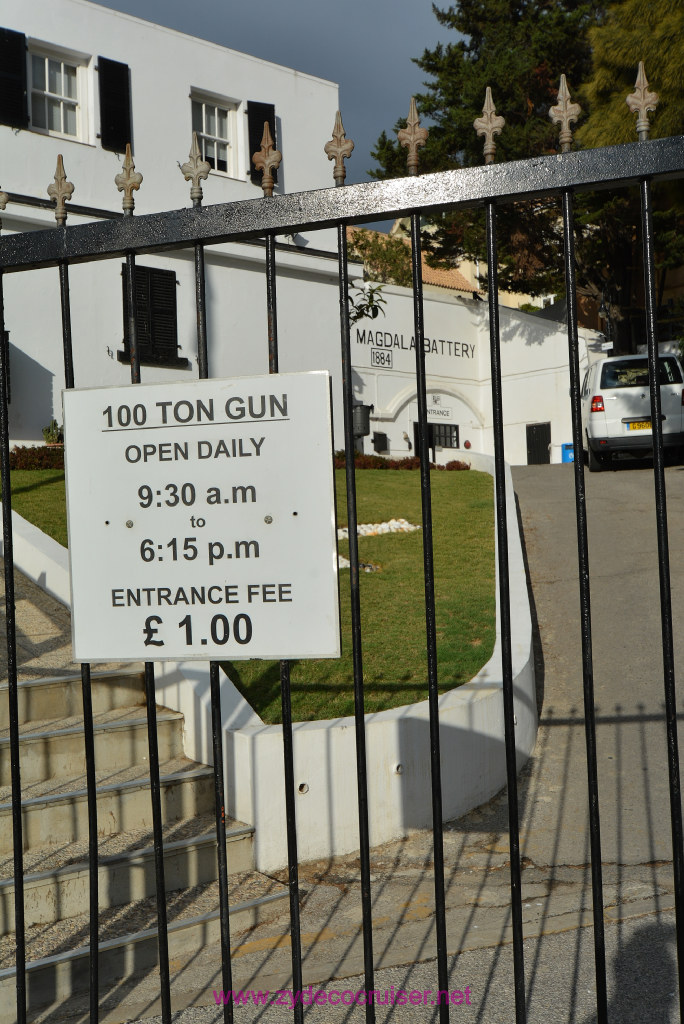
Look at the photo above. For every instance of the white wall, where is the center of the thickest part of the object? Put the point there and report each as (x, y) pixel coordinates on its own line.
(308, 326)
(165, 66)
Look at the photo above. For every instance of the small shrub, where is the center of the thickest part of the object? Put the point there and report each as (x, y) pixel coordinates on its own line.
(36, 457)
(378, 462)
(52, 434)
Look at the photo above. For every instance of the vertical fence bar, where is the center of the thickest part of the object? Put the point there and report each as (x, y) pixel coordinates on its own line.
(151, 705)
(66, 323)
(505, 611)
(93, 853)
(430, 628)
(585, 612)
(285, 694)
(664, 577)
(10, 619)
(215, 687)
(86, 692)
(357, 653)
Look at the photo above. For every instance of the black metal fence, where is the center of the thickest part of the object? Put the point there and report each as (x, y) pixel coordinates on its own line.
(555, 177)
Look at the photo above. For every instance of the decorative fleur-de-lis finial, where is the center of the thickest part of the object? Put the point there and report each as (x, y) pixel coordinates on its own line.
(267, 160)
(412, 136)
(564, 113)
(640, 102)
(339, 149)
(128, 181)
(489, 125)
(194, 170)
(61, 191)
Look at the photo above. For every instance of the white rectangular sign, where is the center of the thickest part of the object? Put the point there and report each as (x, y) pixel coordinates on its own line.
(202, 521)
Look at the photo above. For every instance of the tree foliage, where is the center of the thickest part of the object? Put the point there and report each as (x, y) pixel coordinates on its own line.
(520, 48)
(385, 258)
(610, 248)
(651, 31)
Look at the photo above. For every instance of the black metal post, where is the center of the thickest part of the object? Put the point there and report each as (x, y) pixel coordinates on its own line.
(151, 704)
(357, 653)
(10, 620)
(505, 612)
(664, 577)
(88, 725)
(285, 693)
(585, 613)
(66, 324)
(215, 687)
(430, 628)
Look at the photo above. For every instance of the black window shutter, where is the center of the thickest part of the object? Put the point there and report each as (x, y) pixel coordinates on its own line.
(257, 113)
(115, 105)
(156, 317)
(13, 101)
(162, 304)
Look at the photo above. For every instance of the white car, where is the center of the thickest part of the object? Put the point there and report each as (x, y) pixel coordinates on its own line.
(616, 408)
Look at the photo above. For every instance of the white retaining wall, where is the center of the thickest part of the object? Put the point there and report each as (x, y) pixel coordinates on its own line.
(397, 741)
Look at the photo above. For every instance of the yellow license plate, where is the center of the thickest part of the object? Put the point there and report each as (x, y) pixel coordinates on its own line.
(639, 425)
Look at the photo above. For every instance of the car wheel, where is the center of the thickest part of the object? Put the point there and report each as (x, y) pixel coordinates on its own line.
(595, 461)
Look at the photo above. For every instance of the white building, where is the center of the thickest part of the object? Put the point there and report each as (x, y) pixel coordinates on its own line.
(81, 80)
(535, 381)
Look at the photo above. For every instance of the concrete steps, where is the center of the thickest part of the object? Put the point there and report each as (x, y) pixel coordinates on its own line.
(55, 749)
(56, 811)
(59, 697)
(55, 835)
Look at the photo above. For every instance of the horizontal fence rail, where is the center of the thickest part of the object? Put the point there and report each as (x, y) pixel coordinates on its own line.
(229, 222)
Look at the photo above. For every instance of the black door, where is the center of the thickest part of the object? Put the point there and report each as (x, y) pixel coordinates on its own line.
(538, 443)
(431, 441)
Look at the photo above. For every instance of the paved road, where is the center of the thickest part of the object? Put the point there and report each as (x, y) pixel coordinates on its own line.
(634, 801)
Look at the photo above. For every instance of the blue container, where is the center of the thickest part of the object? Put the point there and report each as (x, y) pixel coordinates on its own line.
(568, 454)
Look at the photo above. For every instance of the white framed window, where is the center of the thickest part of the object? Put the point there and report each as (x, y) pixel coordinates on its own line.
(215, 122)
(57, 91)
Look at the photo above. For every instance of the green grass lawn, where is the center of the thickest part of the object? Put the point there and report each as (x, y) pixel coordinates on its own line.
(392, 599)
(38, 495)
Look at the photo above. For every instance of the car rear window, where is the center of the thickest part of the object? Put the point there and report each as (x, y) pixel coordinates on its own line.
(633, 373)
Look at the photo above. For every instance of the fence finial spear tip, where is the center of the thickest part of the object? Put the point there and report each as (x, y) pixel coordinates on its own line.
(564, 113)
(489, 125)
(641, 101)
(194, 170)
(338, 149)
(128, 180)
(412, 136)
(267, 159)
(61, 191)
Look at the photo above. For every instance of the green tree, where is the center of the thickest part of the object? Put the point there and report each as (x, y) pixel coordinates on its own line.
(651, 31)
(519, 48)
(385, 258)
(610, 250)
